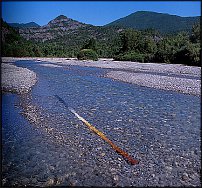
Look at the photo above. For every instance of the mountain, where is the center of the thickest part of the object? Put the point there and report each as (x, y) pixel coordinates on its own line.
(57, 27)
(26, 25)
(164, 23)
(14, 45)
(62, 27)
(61, 37)
(64, 37)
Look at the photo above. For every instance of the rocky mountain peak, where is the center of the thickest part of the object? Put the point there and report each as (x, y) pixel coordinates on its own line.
(59, 26)
(61, 17)
(63, 21)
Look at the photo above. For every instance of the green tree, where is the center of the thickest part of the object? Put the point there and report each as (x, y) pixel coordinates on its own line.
(148, 45)
(91, 45)
(87, 54)
(189, 54)
(37, 52)
(130, 40)
(195, 36)
(169, 46)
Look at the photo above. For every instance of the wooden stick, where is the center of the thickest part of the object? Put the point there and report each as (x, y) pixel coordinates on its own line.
(129, 159)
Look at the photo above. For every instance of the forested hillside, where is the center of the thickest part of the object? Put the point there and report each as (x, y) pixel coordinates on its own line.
(14, 45)
(64, 37)
(180, 48)
(164, 23)
(66, 45)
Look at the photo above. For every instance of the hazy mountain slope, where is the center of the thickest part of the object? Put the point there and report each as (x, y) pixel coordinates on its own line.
(26, 25)
(165, 23)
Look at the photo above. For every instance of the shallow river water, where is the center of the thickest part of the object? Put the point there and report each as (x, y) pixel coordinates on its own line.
(44, 144)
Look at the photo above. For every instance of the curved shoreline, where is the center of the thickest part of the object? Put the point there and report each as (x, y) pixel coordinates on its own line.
(49, 147)
(182, 85)
(174, 77)
(17, 79)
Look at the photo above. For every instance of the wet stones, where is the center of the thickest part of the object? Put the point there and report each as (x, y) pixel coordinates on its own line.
(66, 153)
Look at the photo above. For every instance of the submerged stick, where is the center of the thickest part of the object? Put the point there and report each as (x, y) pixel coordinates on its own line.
(129, 159)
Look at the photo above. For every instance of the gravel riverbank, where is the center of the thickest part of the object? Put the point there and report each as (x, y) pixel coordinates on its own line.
(44, 144)
(175, 77)
(16, 79)
(184, 85)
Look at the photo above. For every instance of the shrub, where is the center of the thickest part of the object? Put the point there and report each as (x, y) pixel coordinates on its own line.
(87, 54)
(134, 56)
(92, 44)
(130, 56)
(189, 55)
(149, 58)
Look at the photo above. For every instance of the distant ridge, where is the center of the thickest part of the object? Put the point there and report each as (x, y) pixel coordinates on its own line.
(140, 20)
(26, 25)
(58, 27)
(62, 26)
(165, 23)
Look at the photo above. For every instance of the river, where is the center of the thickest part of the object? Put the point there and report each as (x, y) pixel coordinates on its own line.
(44, 144)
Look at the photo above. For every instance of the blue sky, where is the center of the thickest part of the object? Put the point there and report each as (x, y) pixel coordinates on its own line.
(92, 12)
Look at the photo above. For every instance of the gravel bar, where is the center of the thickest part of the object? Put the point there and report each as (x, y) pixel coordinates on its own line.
(178, 77)
(188, 86)
(44, 144)
(16, 79)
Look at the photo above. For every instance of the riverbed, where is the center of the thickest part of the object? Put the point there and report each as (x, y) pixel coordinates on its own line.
(44, 144)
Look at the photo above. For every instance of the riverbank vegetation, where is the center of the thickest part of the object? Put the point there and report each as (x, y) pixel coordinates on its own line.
(150, 47)
(127, 45)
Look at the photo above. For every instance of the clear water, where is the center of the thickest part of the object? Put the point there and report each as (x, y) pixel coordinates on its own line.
(153, 125)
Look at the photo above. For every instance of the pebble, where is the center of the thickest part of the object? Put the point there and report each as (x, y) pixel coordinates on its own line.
(178, 84)
(17, 79)
(116, 177)
(185, 177)
(135, 138)
(50, 182)
(169, 168)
